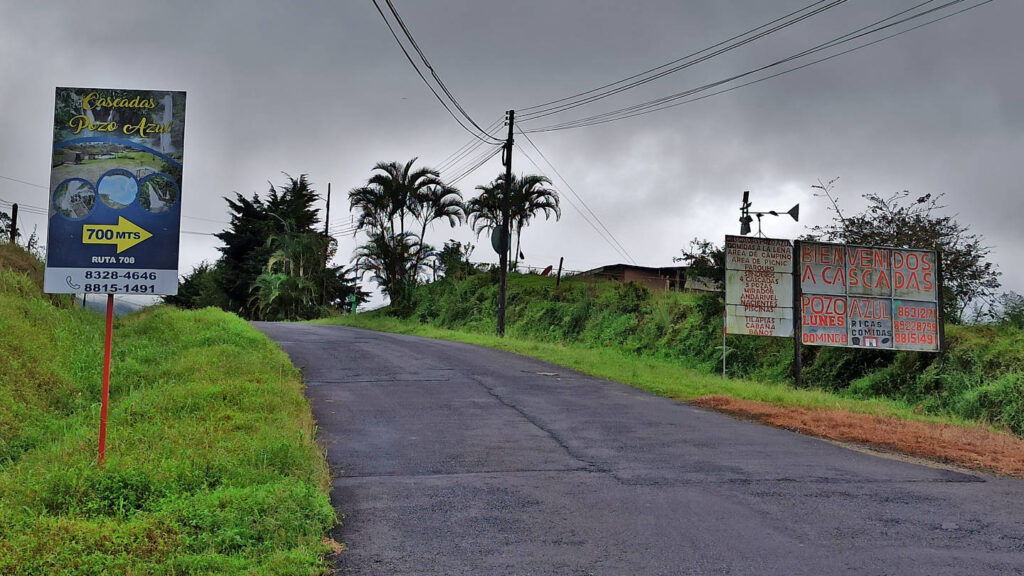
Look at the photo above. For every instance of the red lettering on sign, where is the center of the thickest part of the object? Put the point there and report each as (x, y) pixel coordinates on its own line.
(821, 254)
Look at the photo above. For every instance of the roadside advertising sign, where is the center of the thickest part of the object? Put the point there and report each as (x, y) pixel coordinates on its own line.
(869, 297)
(758, 286)
(115, 191)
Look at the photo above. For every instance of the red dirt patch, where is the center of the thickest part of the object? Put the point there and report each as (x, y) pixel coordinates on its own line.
(973, 448)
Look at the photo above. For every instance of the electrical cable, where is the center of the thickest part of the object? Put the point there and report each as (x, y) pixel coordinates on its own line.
(461, 168)
(849, 36)
(578, 197)
(23, 182)
(664, 102)
(610, 240)
(456, 160)
(491, 154)
(460, 158)
(424, 78)
(472, 141)
(788, 70)
(676, 65)
(659, 101)
(437, 78)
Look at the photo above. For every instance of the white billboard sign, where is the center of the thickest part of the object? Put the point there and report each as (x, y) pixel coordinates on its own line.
(758, 286)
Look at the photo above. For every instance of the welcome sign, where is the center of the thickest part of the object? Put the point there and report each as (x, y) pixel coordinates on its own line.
(869, 297)
(115, 191)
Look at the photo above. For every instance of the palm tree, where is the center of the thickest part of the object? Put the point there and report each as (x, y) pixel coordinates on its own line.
(530, 196)
(438, 202)
(393, 264)
(392, 193)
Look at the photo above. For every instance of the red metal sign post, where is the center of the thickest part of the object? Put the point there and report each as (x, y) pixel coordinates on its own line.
(106, 378)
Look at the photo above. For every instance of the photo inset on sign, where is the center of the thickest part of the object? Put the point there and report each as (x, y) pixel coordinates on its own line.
(118, 189)
(157, 193)
(74, 198)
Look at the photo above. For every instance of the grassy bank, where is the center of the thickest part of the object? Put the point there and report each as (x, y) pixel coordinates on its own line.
(657, 375)
(671, 343)
(211, 463)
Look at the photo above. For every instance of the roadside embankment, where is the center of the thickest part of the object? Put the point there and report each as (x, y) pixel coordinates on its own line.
(211, 467)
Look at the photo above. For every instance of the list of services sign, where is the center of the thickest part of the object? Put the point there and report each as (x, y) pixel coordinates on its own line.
(758, 286)
(869, 297)
(115, 192)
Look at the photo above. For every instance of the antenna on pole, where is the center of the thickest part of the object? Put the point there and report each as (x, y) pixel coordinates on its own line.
(745, 215)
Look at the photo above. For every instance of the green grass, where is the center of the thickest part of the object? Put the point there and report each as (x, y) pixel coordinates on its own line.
(671, 344)
(659, 376)
(212, 465)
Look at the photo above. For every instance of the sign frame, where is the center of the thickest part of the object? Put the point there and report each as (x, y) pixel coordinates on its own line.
(115, 192)
(876, 288)
(758, 286)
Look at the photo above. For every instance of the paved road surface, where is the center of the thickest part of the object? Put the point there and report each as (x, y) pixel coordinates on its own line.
(452, 459)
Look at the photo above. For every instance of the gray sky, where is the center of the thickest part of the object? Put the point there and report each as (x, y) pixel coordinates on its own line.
(321, 88)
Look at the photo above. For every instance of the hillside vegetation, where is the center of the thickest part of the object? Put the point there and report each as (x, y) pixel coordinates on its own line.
(211, 464)
(978, 379)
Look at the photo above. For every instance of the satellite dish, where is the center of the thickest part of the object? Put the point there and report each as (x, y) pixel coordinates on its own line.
(499, 240)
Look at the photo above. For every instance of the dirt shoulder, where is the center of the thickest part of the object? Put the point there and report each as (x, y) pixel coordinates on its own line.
(974, 448)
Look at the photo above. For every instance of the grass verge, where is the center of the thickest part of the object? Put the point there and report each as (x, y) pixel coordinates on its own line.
(876, 422)
(212, 466)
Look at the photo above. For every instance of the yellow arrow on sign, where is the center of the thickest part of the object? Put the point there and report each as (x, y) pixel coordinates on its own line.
(124, 234)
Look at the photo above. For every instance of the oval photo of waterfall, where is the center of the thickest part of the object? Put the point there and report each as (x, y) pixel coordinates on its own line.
(118, 189)
(74, 198)
(158, 193)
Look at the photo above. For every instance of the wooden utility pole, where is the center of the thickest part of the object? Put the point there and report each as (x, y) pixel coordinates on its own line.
(14, 222)
(327, 235)
(798, 327)
(327, 218)
(505, 227)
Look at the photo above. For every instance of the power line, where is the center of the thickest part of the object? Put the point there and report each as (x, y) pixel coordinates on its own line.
(610, 240)
(802, 66)
(673, 100)
(674, 66)
(651, 105)
(424, 78)
(465, 165)
(461, 158)
(578, 197)
(26, 208)
(490, 154)
(205, 219)
(24, 182)
(437, 78)
(465, 148)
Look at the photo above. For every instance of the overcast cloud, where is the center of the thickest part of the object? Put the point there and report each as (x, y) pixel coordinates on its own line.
(320, 88)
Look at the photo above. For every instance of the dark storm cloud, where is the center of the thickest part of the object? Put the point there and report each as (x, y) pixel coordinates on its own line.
(321, 88)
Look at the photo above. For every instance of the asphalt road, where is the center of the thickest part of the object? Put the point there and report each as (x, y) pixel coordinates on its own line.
(453, 459)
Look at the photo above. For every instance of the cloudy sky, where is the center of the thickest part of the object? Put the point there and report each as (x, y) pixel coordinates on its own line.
(321, 88)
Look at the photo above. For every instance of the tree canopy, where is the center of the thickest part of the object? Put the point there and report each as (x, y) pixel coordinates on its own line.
(274, 264)
(394, 199)
(903, 220)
